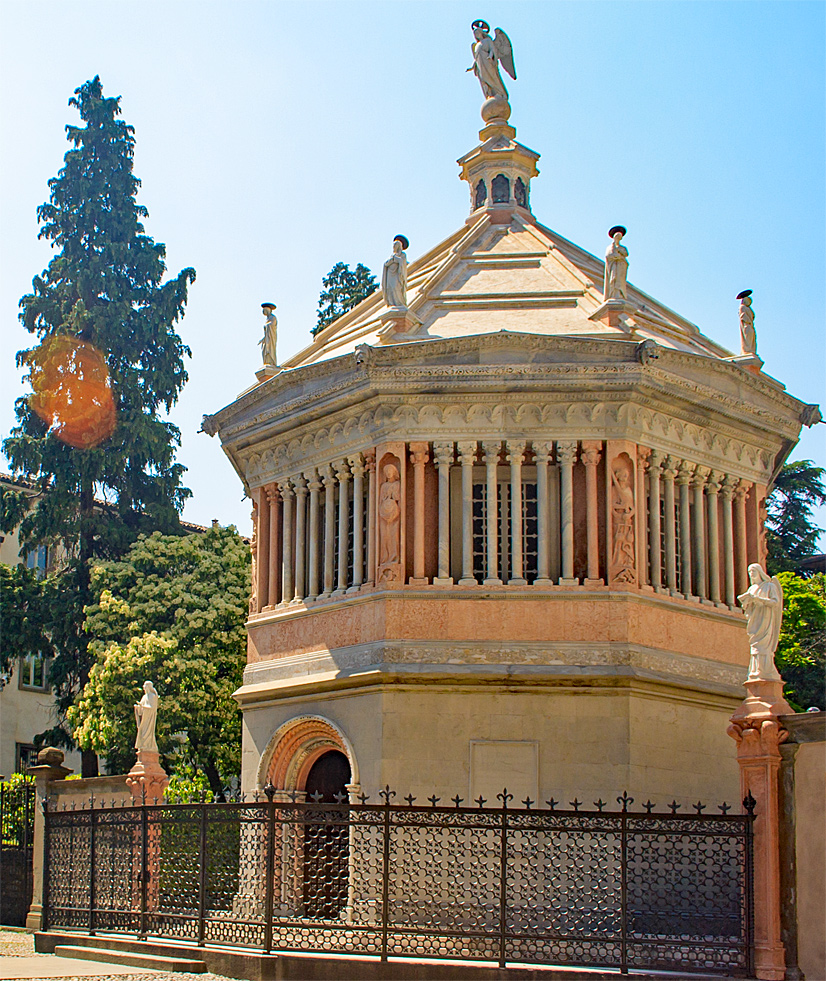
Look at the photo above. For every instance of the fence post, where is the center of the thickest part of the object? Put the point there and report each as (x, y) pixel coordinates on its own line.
(202, 873)
(385, 873)
(92, 866)
(748, 804)
(144, 848)
(49, 767)
(503, 877)
(269, 790)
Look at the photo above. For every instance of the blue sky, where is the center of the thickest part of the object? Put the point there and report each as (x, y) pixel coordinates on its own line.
(275, 139)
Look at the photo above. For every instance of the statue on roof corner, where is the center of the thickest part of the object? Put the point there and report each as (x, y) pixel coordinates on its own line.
(267, 342)
(748, 335)
(394, 275)
(488, 52)
(615, 286)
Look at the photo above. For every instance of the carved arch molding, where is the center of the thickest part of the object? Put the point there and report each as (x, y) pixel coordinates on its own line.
(296, 745)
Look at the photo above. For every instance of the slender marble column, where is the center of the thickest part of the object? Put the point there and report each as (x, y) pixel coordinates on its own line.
(443, 456)
(467, 457)
(669, 473)
(683, 482)
(590, 456)
(643, 453)
(542, 452)
(729, 485)
(357, 469)
(300, 487)
(287, 500)
(655, 462)
(370, 464)
(516, 454)
(343, 475)
(329, 528)
(741, 543)
(699, 532)
(263, 548)
(275, 552)
(491, 449)
(418, 457)
(566, 454)
(712, 491)
(314, 484)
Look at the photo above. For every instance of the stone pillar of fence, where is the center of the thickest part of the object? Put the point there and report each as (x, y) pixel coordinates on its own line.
(756, 728)
(49, 768)
(147, 781)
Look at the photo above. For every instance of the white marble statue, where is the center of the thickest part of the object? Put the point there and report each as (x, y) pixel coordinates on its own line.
(267, 342)
(488, 52)
(616, 266)
(763, 606)
(146, 713)
(748, 335)
(394, 275)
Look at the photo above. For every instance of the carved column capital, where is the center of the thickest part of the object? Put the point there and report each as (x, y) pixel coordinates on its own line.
(467, 453)
(757, 738)
(313, 479)
(643, 457)
(272, 492)
(591, 452)
(492, 448)
(299, 483)
(729, 486)
(515, 450)
(714, 482)
(566, 451)
(443, 453)
(285, 488)
(700, 476)
(742, 489)
(357, 464)
(656, 459)
(369, 460)
(543, 450)
(342, 471)
(671, 467)
(327, 475)
(685, 472)
(419, 453)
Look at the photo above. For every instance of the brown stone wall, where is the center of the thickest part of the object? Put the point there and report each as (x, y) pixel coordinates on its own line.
(810, 837)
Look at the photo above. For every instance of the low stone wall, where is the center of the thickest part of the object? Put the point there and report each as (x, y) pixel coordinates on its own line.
(105, 790)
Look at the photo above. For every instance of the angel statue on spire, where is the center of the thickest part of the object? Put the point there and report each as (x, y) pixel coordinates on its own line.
(487, 53)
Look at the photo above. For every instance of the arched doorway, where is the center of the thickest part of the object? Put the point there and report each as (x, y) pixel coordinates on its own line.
(327, 836)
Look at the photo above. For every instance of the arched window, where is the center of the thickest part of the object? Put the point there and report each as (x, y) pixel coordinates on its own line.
(520, 192)
(501, 188)
(480, 195)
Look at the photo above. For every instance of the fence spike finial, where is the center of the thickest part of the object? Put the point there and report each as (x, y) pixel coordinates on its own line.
(576, 803)
(699, 807)
(625, 800)
(599, 804)
(674, 806)
(434, 800)
(387, 793)
(724, 808)
(552, 803)
(410, 800)
(528, 803)
(457, 800)
(649, 807)
(505, 797)
(269, 790)
(481, 801)
(749, 803)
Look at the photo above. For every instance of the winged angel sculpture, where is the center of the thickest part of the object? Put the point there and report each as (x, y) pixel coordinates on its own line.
(488, 52)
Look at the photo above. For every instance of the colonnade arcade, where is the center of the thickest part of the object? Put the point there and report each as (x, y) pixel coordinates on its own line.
(512, 512)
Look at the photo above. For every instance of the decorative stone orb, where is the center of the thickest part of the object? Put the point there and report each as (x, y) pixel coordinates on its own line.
(496, 108)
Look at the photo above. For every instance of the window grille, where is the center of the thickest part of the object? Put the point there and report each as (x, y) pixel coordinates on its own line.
(530, 536)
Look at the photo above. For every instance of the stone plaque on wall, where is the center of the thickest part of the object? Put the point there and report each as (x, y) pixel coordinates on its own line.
(506, 763)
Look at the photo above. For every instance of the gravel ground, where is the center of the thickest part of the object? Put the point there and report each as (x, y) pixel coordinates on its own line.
(14, 944)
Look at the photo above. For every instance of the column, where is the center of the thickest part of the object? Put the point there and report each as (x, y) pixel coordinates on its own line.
(683, 482)
(729, 485)
(287, 497)
(300, 486)
(669, 473)
(542, 455)
(643, 453)
(516, 454)
(370, 464)
(566, 454)
(357, 469)
(467, 457)
(491, 450)
(443, 457)
(655, 462)
(275, 550)
(263, 549)
(314, 484)
(699, 531)
(343, 475)
(713, 561)
(418, 457)
(329, 528)
(591, 453)
(741, 543)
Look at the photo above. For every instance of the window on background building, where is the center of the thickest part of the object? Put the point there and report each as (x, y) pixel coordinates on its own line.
(33, 672)
(25, 755)
(38, 559)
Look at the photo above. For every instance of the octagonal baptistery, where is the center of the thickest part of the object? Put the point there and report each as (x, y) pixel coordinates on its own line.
(500, 530)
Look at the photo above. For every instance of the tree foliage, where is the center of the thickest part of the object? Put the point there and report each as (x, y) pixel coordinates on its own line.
(108, 362)
(791, 533)
(173, 611)
(343, 289)
(24, 603)
(801, 651)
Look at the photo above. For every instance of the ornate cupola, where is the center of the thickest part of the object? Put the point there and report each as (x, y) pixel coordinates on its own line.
(499, 169)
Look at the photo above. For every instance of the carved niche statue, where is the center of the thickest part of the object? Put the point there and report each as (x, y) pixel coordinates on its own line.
(623, 512)
(253, 608)
(616, 266)
(763, 605)
(267, 342)
(390, 525)
(488, 52)
(748, 335)
(146, 714)
(394, 275)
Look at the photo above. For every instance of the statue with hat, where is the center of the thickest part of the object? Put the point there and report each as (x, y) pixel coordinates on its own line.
(394, 275)
(615, 286)
(488, 52)
(267, 342)
(748, 335)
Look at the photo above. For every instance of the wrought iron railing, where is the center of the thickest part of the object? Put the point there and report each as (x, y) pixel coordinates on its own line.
(623, 889)
(17, 807)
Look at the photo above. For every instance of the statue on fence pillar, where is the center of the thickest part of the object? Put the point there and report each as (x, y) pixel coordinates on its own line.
(763, 605)
(147, 779)
(146, 714)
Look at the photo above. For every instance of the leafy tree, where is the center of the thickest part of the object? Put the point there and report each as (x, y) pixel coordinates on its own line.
(343, 289)
(109, 360)
(172, 611)
(791, 534)
(25, 606)
(801, 651)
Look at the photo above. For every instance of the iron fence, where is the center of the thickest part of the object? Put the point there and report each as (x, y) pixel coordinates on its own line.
(17, 804)
(529, 885)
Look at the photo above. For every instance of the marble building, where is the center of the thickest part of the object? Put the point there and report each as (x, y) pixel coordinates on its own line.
(502, 512)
